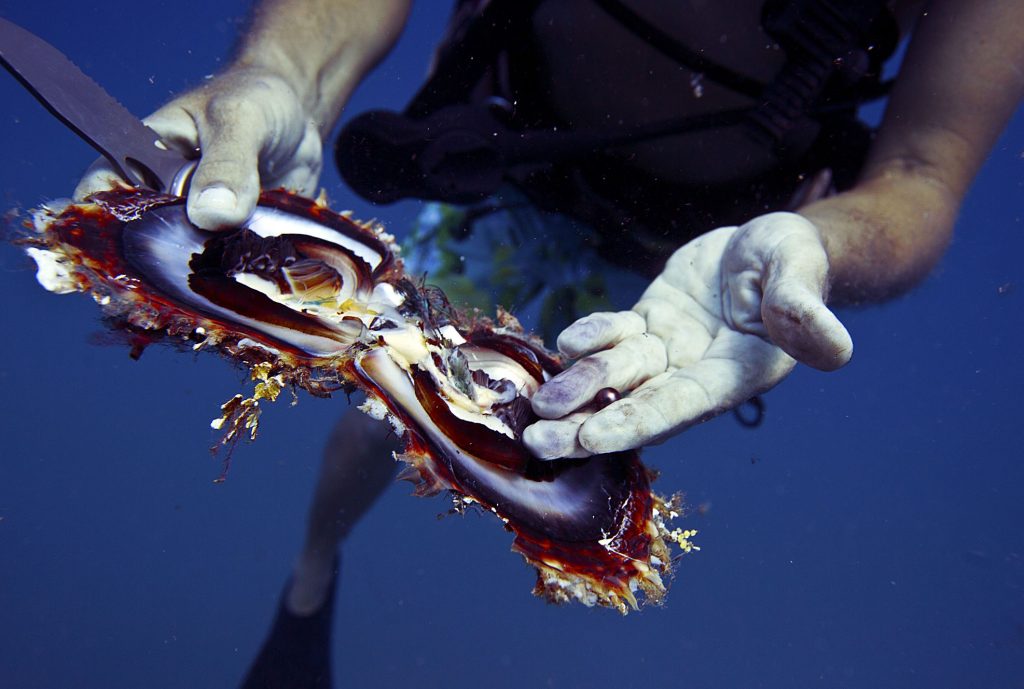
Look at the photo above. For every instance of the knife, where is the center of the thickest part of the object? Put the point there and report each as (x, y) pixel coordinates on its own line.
(135, 151)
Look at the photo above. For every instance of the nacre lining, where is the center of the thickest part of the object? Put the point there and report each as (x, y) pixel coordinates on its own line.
(310, 298)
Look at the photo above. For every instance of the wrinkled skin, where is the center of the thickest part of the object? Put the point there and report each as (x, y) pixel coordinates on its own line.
(729, 317)
(252, 131)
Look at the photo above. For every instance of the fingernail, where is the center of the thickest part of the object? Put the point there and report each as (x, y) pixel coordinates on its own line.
(219, 198)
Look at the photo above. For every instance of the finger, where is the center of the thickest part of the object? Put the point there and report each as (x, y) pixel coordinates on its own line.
(623, 367)
(687, 333)
(800, 323)
(300, 179)
(99, 177)
(176, 128)
(304, 166)
(793, 309)
(739, 367)
(626, 425)
(598, 331)
(556, 439)
(226, 183)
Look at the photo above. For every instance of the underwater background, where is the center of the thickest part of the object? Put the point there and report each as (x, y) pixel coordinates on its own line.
(870, 533)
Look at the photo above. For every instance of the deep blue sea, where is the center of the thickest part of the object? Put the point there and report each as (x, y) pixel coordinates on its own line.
(869, 534)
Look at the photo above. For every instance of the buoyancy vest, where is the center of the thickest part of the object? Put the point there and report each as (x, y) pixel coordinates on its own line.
(480, 121)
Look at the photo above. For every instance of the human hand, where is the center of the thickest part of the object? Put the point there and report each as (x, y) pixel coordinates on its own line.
(727, 319)
(251, 130)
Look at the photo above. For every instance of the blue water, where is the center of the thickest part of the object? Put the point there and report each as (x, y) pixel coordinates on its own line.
(868, 535)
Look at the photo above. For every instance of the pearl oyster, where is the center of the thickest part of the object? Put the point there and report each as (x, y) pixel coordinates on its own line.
(309, 298)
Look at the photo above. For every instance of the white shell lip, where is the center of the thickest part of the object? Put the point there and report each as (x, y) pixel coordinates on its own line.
(162, 244)
(271, 222)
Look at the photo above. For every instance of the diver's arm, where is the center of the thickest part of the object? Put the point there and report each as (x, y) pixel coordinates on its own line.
(961, 80)
(735, 308)
(260, 123)
(322, 48)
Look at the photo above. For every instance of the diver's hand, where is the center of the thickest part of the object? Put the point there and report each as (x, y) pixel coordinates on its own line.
(727, 319)
(252, 131)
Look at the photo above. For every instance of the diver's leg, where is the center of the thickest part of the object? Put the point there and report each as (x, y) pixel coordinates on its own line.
(357, 466)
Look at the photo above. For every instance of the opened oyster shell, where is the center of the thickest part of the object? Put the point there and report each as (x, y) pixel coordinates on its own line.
(309, 298)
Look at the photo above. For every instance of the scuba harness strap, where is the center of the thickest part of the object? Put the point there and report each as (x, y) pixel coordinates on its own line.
(462, 136)
(825, 41)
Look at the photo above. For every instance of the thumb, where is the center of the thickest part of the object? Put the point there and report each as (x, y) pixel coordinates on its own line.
(793, 308)
(226, 184)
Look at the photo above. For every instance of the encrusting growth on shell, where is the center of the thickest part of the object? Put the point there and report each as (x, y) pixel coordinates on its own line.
(307, 298)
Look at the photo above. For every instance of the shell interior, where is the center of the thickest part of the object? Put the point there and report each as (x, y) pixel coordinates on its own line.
(304, 295)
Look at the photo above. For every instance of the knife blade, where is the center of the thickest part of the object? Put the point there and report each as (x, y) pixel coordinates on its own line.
(135, 151)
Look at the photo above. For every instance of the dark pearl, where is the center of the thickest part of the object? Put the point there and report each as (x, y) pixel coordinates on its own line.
(605, 396)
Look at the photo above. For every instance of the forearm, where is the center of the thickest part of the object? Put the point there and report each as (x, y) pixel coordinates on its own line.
(323, 48)
(883, 236)
(959, 84)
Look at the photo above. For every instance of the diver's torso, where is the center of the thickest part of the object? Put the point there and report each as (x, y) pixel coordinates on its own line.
(597, 73)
